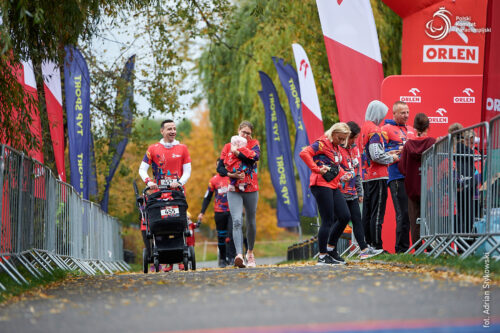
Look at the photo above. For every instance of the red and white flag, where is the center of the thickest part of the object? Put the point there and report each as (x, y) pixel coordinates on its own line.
(353, 54)
(53, 99)
(26, 76)
(311, 112)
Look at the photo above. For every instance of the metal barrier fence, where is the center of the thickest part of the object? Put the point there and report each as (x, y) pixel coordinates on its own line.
(460, 199)
(46, 225)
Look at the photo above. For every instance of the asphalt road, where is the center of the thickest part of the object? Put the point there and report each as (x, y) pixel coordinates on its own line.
(351, 298)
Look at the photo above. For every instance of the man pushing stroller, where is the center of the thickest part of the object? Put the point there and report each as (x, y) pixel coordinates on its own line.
(170, 162)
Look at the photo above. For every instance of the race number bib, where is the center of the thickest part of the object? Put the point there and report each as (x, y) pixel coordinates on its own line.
(167, 212)
(223, 190)
(167, 181)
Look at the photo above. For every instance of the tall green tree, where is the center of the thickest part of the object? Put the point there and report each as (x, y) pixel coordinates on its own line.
(260, 29)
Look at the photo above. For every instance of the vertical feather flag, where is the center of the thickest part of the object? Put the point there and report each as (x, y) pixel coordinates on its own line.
(353, 54)
(289, 81)
(53, 100)
(77, 91)
(119, 138)
(311, 112)
(279, 155)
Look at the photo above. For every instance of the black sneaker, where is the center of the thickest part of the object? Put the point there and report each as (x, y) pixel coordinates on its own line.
(327, 260)
(222, 263)
(335, 256)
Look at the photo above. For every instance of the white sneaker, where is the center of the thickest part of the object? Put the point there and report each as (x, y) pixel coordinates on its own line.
(369, 252)
(238, 261)
(250, 260)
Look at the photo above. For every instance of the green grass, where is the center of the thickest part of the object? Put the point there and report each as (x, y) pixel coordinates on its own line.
(471, 265)
(14, 289)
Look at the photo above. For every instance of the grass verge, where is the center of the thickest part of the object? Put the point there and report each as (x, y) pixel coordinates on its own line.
(470, 266)
(14, 289)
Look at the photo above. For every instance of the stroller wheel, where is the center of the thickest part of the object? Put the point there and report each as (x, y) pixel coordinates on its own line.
(186, 262)
(192, 258)
(157, 265)
(145, 261)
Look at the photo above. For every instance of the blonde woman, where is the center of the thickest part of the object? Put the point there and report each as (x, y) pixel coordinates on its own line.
(323, 157)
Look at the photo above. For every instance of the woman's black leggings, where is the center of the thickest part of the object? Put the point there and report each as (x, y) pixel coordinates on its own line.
(357, 226)
(223, 224)
(332, 206)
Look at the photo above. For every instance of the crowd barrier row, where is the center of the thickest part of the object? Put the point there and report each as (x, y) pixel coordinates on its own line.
(460, 199)
(46, 225)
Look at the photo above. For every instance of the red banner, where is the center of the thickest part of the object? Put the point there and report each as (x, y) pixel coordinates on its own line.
(442, 37)
(491, 83)
(444, 99)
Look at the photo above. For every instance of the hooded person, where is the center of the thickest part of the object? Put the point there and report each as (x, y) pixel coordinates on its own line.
(409, 165)
(374, 172)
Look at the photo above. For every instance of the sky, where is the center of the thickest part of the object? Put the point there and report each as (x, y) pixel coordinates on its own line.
(108, 45)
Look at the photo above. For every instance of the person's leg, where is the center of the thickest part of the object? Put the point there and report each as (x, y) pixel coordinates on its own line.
(342, 215)
(414, 213)
(378, 198)
(324, 199)
(230, 249)
(250, 200)
(221, 227)
(236, 208)
(400, 201)
(365, 220)
(357, 226)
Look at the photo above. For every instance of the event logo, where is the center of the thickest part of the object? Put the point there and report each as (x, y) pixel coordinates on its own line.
(303, 64)
(493, 104)
(451, 54)
(465, 99)
(411, 99)
(440, 26)
(441, 119)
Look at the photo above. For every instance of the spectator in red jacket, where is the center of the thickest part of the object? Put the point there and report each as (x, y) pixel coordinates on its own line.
(323, 157)
(398, 133)
(375, 161)
(409, 165)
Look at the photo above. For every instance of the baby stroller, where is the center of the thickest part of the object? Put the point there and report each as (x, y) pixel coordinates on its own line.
(168, 229)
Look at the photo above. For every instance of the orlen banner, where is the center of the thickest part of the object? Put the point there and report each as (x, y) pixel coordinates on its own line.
(442, 37)
(445, 99)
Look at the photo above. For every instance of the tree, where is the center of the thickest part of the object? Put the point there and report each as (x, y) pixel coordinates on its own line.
(260, 29)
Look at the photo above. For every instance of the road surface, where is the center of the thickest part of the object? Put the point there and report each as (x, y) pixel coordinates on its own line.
(287, 298)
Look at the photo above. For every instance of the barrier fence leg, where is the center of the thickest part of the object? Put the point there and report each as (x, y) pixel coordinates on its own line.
(125, 265)
(84, 267)
(474, 246)
(14, 270)
(8, 272)
(437, 246)
(97, 265)
(59, 262)
(42, 264)
(425, 244)
(29, 266)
